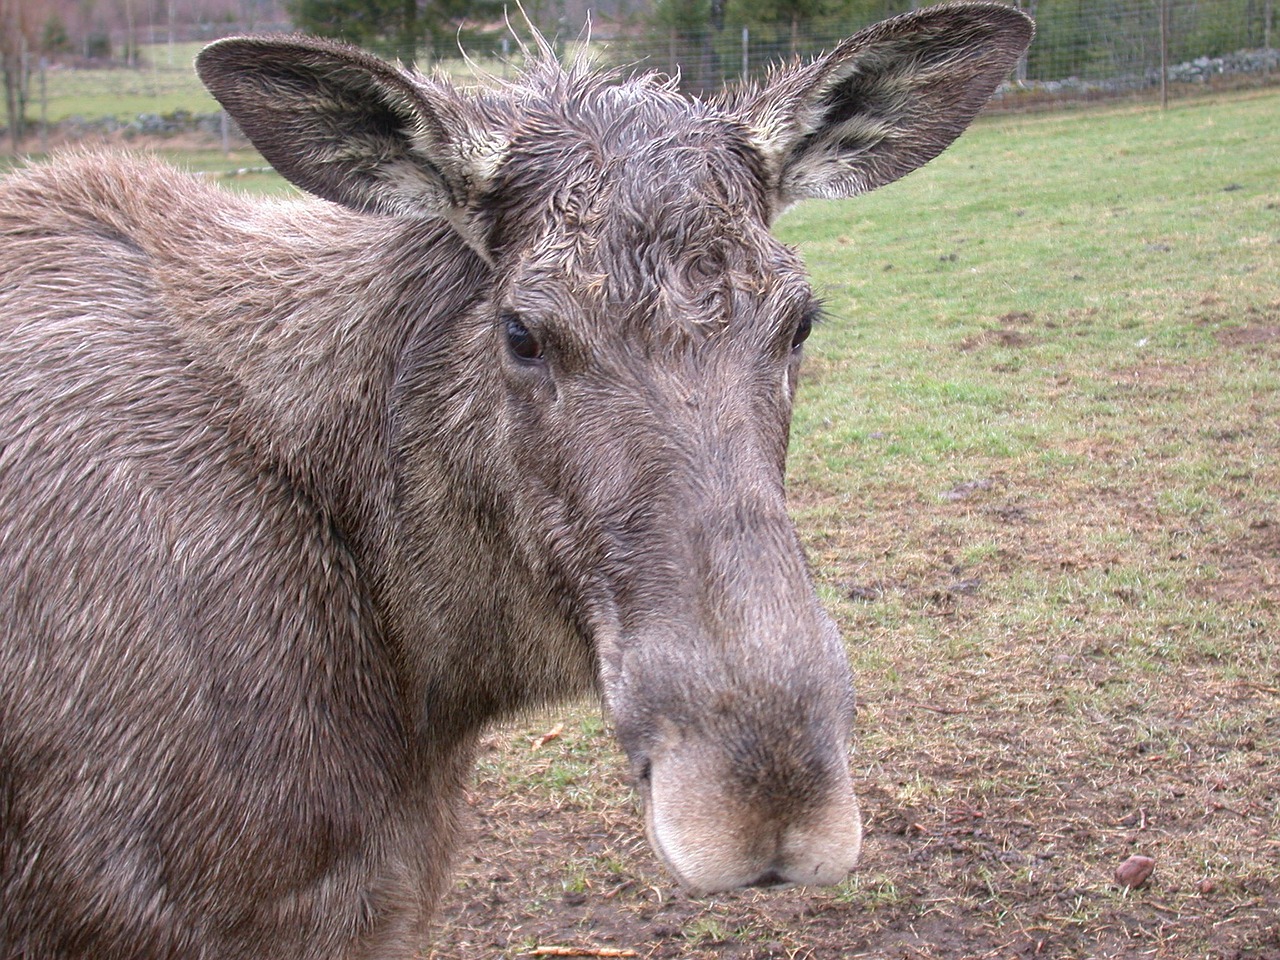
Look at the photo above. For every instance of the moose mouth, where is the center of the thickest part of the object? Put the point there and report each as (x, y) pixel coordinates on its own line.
(713, 840)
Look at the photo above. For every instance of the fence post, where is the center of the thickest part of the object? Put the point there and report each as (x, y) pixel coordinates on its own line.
(44, 107)
(746, 57)
(131, 40)
(1164, 54)
(24, 85)
(1266, 39)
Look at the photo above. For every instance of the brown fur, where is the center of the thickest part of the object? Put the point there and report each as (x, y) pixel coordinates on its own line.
(296, 496)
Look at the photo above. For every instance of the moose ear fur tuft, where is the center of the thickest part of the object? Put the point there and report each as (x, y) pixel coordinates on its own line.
(885, 101)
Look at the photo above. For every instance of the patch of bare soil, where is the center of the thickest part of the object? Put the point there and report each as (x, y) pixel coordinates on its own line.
(1021, 872)
(1249, 568)
(1249, 335)
(1007, 334)
(1002, 337)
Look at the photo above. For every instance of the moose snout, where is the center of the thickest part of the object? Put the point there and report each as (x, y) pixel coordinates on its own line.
(734, 701)
(718, 827)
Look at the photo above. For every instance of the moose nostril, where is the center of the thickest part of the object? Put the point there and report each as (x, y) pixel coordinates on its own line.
(770, 878)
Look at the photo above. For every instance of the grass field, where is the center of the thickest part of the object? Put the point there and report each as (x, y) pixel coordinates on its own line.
(1036, 462)
(164, 83)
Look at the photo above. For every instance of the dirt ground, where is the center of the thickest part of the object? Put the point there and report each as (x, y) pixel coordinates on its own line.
(977, 848)
(1008, 761)
(1008, 874)
(1026, 873)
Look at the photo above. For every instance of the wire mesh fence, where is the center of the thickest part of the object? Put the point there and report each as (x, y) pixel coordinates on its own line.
(1083, 44)
(144, 83)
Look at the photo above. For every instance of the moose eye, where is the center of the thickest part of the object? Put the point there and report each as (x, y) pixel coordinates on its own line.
(804, 328)
(524, 346)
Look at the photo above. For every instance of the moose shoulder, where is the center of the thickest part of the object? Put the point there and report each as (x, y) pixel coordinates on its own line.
(296, 496)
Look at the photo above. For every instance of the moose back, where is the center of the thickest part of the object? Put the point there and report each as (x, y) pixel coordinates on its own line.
(295, 496)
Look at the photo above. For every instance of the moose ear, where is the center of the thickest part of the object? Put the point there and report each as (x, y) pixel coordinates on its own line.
(885, 101)
(351, 128)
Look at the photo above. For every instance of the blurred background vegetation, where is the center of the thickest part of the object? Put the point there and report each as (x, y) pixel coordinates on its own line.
(93, 59)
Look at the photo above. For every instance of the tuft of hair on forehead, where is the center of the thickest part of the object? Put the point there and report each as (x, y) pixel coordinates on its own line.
(543, 68)
(578, 90)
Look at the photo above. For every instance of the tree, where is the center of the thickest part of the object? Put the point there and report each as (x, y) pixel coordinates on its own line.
(790, 15)
(398, 28)
(54, 37)
(18, 31)
(685, 27)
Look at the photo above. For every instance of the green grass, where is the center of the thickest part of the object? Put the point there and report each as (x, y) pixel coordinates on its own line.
(1082, 313)
(1107, 242)
(164, 84)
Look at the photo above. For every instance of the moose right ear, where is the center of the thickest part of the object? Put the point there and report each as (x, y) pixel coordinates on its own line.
(350, 128)
(884, 101)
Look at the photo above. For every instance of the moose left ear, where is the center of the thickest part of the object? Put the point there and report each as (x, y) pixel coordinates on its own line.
(351, 128)
(885, 101)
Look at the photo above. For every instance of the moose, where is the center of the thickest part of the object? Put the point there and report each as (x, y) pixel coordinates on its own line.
(297, 495)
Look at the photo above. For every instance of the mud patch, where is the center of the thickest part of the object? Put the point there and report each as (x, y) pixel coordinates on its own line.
(1247, 573)
(1250, 335)
(1002, 337)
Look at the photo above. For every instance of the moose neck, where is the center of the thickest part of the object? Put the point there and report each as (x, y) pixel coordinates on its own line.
(358, 345)
(312, 326)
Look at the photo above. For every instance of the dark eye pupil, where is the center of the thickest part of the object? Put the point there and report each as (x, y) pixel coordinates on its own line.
(523, 344)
